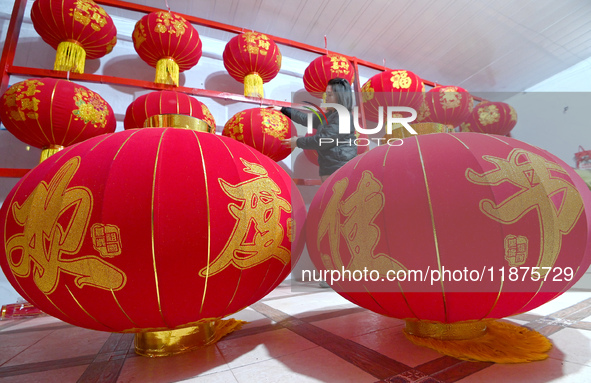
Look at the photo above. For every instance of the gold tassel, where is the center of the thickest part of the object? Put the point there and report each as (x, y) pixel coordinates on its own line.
(167, 72)
(70, 57)
(172, 342)
(50, 150)
(253, 85)
(500, 342)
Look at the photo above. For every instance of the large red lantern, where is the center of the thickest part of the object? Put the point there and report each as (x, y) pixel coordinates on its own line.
(429, 229)
(262, 129)
(449, 105)
(252, 58)
(391, 88)
(151, 231)
(492, 118)
(169, 109)
(325, 68)
(167, 42)
(51, 113)
(77, 29)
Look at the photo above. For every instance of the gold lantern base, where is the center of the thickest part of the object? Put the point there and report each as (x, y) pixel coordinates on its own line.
(70, 57)
(167, 72)
(48, 151)
(484, 341)
(178, 121)
(253, 86)
(172, 342)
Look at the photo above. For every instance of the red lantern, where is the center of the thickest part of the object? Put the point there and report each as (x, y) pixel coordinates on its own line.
(77, 29)
(150, 230)
(262, 129)
(420, 127)
(440, 220)
(325, 68)
(391, 88)
(492, 118)
(169, 109)
(167, 42)
(252, 58)
(449, 105)
(50, 113)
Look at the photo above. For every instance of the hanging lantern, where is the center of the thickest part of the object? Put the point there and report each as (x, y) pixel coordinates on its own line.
(50, 113)
(400, 131)
(252, 58)
(492, 118)
(169, 109)
(262, 129)
(159, 232)
(391, 88)
(454, 231)
(167, 42)
(77, 29)
(325, 68)
(449, 105)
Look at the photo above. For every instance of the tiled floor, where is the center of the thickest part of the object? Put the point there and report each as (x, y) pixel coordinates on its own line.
(310, 335)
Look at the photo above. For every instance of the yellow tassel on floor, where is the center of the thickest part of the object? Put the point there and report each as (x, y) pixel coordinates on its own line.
(167, 72)
(225, 326)
(253, 85)
(70, 57)
(502, 342)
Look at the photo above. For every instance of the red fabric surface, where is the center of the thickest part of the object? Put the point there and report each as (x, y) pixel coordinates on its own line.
(418, 206)
(165, 102)
(323, 69)
(169, 200)
(44, 111)
(163, 34)
(82, 21)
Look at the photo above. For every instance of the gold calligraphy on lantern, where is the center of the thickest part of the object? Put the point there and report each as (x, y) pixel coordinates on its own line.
(513, 113)
(339, 65)
(88, 12)
(449, 97)
(91, 108)
(208, 117)
(258, 233)
(367, 92)
(400, 79)
(556, 201)
(171, 23)
(274, 124)
(234, 128)
(257, 43)
(488, 115)
(139, 34)
(55, 218)
(21, 101)
(359, 230)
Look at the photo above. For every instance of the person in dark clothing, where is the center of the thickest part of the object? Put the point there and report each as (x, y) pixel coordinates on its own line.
(334, 149)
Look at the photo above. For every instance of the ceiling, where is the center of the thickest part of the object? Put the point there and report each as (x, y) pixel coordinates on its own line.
(483, 46)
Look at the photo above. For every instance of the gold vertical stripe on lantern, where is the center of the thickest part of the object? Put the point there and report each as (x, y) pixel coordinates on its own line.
(70, 57)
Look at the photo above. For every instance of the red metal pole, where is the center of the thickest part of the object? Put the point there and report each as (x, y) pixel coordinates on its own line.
(14, 29)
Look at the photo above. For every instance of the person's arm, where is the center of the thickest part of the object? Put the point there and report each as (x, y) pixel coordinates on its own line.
(324, 139)
(300, 117)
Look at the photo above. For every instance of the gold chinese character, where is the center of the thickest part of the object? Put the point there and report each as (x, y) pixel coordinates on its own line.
(258, 233)
(540, 187)
(55, 218)
(360, 232)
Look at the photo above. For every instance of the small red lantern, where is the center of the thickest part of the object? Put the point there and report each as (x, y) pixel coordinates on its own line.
(151, 231)
(453, 231)
(325, 68)
(262, 129)
(168, 109)
(449, 105)
(252, 58)
(77, 29)
(50, 113)
(391, 88)
(492, 118)
(167, 42)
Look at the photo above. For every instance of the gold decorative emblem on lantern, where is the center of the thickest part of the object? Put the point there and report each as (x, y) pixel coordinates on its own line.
(29, 104)
(400, 79)
(367, 92)
(273, 124)
(516, 250)
(450, 97)
(91, 108)
(488, 115)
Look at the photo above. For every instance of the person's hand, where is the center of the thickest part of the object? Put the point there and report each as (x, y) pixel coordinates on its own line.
(274, 107)
(290, 142)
